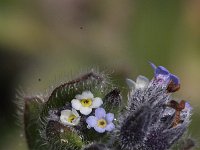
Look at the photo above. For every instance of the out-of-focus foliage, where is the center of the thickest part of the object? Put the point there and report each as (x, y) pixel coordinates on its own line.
(42, 41)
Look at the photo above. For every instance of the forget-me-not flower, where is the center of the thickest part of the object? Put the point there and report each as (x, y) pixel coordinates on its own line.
(69, 117)
(101, 122)
(85, 102)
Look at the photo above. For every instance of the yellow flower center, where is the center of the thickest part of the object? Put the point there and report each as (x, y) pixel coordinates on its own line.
(86, 102)
(71, 118)
(102, 123)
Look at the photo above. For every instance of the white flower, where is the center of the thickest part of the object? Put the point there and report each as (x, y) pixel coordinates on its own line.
(141, 83)
(85, 102)
(69, 117)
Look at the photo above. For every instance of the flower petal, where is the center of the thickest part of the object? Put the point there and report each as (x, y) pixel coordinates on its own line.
(75, 112)
(188, 106)
(84, 95)
(142, 82)
(161, 79)
(85, 110)
(100, 113)
(76, 104)
(66, 113)
(131, 84)
(91, 121)
(110, 127)
(79, 96)
(97, 102)
(87, 94)
(100, 130)
(64, 118)
(76, 121)
(175, 79)
(64, 121)
(153, 65)
(161, 70)
(109, 117)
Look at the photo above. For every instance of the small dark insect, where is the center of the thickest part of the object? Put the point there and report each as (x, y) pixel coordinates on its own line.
(172, 87)
(39, 79)
(178, 107)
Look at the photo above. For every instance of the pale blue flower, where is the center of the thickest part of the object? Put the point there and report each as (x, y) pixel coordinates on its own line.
(101, 122)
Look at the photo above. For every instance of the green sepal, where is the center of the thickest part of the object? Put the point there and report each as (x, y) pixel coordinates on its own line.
(32, 110)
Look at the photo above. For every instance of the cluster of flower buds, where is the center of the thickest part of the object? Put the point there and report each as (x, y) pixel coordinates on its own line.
(73, 116)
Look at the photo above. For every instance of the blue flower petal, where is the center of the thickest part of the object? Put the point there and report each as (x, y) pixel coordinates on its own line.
(188, 106)
(110, 127)
(109, 117)
(153, 65)
(100, 130)
(100, 113)
(161, 70)
(91, 121)
(175, 79)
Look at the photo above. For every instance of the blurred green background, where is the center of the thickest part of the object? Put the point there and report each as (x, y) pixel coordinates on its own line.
(45, 41)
